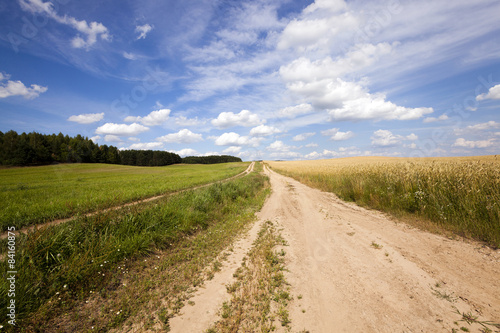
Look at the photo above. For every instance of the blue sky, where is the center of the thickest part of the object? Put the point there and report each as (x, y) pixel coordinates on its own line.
(275, 79)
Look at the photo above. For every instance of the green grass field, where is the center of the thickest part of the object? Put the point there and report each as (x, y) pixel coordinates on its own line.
(33, 195)
(61, 266)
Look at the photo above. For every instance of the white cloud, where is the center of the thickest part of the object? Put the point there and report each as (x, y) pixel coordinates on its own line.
(311, 145)
(461, 142)
(229, 119)
(385, 138)
(293, 111)
(112, 138)
(232, 150)
(280, 146)
(90, 31)
(478, 128)
(303, 136)
(121, 129)
(146, 146)
(376, 108)
(263, 130)
(183, 136)
(129, 56)
(184, 121)
(155, 118)
(17, 88)
(186, 152)
(433, 119)
(493, 93)
(313, 32)
(234, 139)
(336, 135)
(87, 118)
(95, 138)
(143, 30)
(412, 137)
(324, 154)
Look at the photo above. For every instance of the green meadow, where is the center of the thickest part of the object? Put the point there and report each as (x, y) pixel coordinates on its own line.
(32, 195)
(61, 267)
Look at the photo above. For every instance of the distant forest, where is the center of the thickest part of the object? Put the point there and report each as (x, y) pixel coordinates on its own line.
(210, 159)
(39, 149)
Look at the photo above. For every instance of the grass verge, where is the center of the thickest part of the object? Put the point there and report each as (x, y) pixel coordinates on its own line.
(260, 294)
(135, 262)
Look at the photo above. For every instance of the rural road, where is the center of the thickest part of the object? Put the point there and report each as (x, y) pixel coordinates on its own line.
(355, 270)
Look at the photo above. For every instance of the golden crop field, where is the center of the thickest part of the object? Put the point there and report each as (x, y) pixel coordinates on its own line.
(461, 194)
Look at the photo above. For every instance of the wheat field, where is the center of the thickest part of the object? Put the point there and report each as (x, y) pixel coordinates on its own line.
(460, 194)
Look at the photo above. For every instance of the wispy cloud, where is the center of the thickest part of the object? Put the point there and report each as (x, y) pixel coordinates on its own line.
(91, 31)
(143, 30)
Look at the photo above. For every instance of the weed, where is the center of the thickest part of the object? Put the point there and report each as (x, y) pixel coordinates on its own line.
(376, 246)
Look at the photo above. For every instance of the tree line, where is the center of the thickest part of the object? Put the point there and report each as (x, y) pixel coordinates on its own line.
(39, 149)
(213, 159)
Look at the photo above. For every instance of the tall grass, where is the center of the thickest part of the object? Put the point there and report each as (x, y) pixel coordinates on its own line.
(32, 195)
(459, 194)
(75, 255)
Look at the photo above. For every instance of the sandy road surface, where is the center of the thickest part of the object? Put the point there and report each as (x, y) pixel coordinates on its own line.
(349, 284)
(358, 271)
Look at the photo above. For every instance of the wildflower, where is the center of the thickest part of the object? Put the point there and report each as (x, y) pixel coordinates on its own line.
(65, 286)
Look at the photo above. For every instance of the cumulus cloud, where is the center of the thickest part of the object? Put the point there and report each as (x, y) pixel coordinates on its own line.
(385, 138)
(143, 30)
(433, 119)
(303, 136)
(17, 88)
(234, 139)
(229, 119)
(461, 142)
(90, 31)
(232, 150)
(184, 121)
(121, 129)
(376, 108)
(183, 136)
(87, 118)
(186, 152)
(478, 128)
(146, 146)
(294, 111)
(280, 146)
(493, 93)
(337, 135)
(263, 130)
(112, 138)
(95, 138)
(154, 118)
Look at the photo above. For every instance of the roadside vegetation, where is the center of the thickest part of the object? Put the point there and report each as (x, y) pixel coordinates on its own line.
(132, 266)
(260, 294)
(460, 194)
(32, 195)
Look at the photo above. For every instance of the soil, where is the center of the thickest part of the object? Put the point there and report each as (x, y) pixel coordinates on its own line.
(358, 270)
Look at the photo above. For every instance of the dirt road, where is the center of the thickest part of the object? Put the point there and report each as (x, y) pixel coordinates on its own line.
(355, 270)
